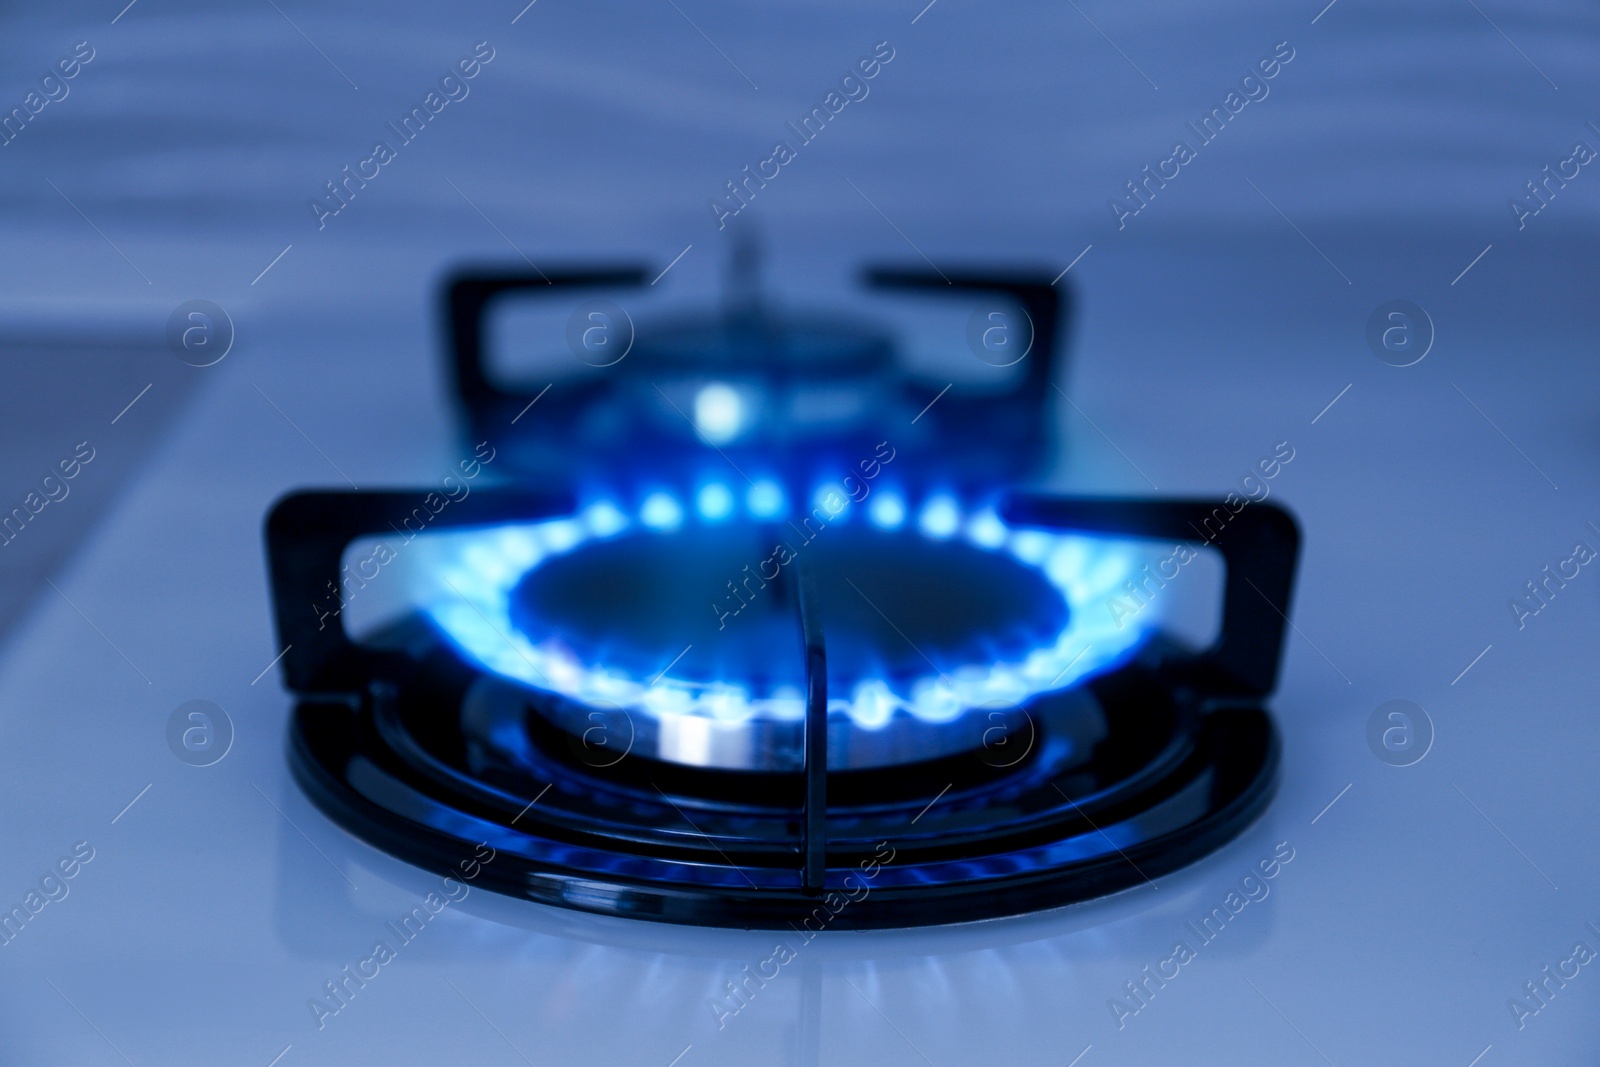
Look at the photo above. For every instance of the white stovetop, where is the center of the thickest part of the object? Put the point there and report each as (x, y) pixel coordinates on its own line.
(1416, 905)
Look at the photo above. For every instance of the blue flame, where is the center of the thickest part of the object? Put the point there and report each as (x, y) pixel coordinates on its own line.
(481, 568)
(714, 502)
(661, 511)
(940, 518)
(887, 510)
(718, 413)
(765, 500)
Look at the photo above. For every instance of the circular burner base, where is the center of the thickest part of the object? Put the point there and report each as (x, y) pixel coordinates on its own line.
(1122, 782)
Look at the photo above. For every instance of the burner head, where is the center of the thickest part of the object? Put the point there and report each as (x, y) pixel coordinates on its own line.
(685, 623)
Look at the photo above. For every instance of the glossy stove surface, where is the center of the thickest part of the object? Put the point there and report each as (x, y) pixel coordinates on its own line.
(221, 901)
(1405, 905)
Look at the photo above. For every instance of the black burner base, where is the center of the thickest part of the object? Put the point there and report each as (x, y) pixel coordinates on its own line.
(1122, 781)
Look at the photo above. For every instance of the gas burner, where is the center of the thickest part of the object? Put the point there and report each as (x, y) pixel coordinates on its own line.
(753, 666)
(1035, 799)
(767, 389)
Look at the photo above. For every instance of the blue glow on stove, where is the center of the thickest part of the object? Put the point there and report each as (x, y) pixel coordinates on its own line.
(1032, 546)
(765, 500)
(940, 518)
(714, 502)
(480, 571)
(604, 519)
(986, 530)
(562, 535)
(718, 413)
(831, 501)
(661, 511)
(886, 510)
